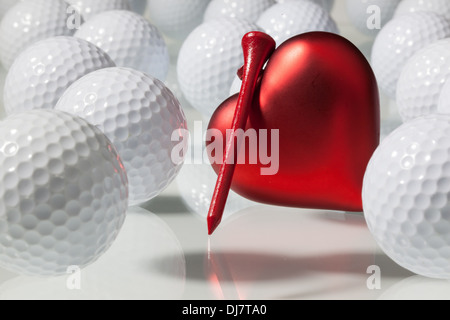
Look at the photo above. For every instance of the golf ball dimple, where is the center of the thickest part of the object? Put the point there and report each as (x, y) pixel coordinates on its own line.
(42, 73)
(177, 18)
(242, 9)
(90, 8)
(405, 196)
(29, 22)
(121, 273)
(422, 79)
(399, 40)
(208, 61)
(139, 115)
(364, 14)
(63, 193)
(286, 20)
(411, 6)
(130, 40)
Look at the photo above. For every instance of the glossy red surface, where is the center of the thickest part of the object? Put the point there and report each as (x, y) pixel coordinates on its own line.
(320, 92)
(257, 47)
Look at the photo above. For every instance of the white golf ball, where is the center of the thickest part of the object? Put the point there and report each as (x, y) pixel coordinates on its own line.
(422, 79)
(138, 6)
(399, 40)
(437, 6)
(90, 8)
(139, 115)
(208, 61)
(444, 99)
(249, 10)
(29, 22)
(196, 183)
(177, 18)
(327, 4)
(130, 40)
(5, 5)
(405, 196)
(63, 193)
(42, 73)
(369, 16)
(286, 20)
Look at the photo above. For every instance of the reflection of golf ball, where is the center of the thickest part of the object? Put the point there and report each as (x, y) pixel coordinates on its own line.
(327, 4)
(28, 22)
(130, 40)
(177, 18)
(89, 8)
(437, 6)
(405, 196)
(444, 100)
(139, 114)
(209, 60)
(363, 13)
(399, 40)
(145, 262)
(286, 20)
(138, 6)
(422, 79)
(63, 193)
(41, 73)
(249, 10)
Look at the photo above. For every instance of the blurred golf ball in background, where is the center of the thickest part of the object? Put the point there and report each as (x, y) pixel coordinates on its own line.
(399, 40)
(286, 20)
(139, 115)
(130, 40)
(422, 79)
(437, 6)
(364, 13)
(89, 8)
(208, 61)
(42, 73)
(249, 10)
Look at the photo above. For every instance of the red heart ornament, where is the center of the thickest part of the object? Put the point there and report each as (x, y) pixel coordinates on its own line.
(320, 92)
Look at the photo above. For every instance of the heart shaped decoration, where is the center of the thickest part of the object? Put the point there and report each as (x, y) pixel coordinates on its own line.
(320, 92)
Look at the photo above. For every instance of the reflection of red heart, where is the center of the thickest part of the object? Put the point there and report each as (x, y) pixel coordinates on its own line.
(321, 93)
